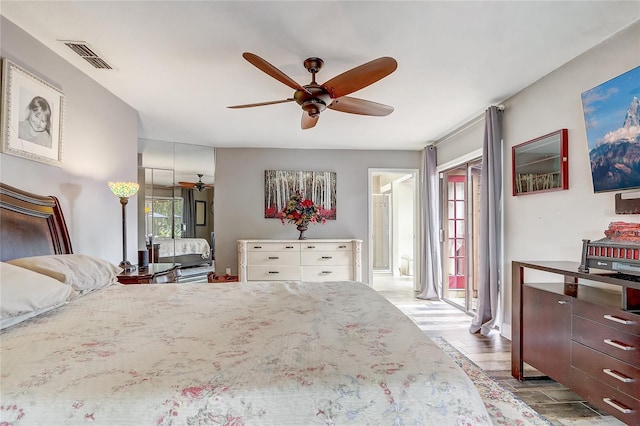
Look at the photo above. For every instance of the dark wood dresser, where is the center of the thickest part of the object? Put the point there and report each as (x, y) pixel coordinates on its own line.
(584, 336)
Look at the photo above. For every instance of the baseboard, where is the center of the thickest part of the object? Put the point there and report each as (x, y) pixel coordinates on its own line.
(505, 331)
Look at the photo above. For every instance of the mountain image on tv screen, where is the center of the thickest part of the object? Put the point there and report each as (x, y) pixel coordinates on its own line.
(612, 119)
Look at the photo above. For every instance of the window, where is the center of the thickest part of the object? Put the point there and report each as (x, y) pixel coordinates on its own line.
(163, 217)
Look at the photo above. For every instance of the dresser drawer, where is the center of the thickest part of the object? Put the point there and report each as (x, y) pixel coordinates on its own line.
(326, 246)
(611, 341)
(261, 258)
(274, 246)
(327, 273)
(273, 273)
(326, 258)
(616, 318)
(617, 374)
(616, 403)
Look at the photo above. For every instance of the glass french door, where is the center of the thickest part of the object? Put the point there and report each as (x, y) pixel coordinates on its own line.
(460, 210)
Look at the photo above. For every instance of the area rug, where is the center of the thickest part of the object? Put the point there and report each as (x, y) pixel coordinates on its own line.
(503, 406)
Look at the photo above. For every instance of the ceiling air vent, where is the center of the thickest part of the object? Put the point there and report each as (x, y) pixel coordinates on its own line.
(85, 52)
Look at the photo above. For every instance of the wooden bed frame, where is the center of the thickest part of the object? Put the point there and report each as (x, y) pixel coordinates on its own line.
(31, 225)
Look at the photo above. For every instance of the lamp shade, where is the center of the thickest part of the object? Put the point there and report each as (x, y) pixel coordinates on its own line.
(124, 189)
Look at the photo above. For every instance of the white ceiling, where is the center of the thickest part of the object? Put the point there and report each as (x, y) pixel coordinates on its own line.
(179, 63)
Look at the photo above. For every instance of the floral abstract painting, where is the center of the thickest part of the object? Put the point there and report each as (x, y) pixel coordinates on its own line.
(280, 185)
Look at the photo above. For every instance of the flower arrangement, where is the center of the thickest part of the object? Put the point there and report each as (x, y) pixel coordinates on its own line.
(301, 211)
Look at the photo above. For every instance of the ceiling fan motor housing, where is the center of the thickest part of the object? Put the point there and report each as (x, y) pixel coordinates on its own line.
(314, 100)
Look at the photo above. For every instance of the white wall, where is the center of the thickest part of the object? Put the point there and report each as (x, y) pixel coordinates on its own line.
(551, 226)
(99, 143)
(456, 147)
(239, 194)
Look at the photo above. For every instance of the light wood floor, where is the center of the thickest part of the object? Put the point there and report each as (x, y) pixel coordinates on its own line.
(492, 354)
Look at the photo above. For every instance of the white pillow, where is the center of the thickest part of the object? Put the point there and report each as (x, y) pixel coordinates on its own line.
(25, 294)
(83, 273)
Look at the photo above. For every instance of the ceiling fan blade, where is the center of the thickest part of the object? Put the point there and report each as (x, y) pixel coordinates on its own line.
(308, 121)
(261, 104)
(360, 106)
(360, 77)
(187, 184)
(269, 69)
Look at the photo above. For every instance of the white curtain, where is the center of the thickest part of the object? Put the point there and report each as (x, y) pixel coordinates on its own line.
(490, 238)
(430, 269)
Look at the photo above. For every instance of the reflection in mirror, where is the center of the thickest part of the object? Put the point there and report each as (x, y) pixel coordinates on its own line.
(162, 210)
(170, 175)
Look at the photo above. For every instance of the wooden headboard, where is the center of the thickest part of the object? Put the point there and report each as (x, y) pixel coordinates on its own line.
(31, 225)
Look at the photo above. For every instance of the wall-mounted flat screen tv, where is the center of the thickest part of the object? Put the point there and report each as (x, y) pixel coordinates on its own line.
(612, 118)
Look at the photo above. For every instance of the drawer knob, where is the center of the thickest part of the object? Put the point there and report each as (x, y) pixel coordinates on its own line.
(274, 272)
(618, 320)
(327, 272)
(257, 246)
(311, 246)
(562, 302)
(289, 247)
(618, 345)
(274, 257)
(617, 405)
(327, 257)
(342, 246)
(616, 375)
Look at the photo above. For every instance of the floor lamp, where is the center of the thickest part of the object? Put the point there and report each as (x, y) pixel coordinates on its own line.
(124, 190)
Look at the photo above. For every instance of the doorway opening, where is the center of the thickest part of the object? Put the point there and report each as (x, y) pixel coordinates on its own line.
(392, 228)
(460, 207)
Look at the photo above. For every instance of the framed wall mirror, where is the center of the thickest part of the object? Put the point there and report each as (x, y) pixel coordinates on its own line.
(541, 164)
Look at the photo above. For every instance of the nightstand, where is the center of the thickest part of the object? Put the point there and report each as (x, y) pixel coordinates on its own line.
(156, 273)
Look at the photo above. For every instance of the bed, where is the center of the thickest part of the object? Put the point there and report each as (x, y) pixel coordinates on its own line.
(259, 353)
(187, 252)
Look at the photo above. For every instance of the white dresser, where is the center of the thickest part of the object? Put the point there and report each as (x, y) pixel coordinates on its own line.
(300, 260)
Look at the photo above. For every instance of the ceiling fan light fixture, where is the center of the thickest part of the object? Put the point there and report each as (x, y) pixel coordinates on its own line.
(198, 186)
(315, 98)
(314, 107)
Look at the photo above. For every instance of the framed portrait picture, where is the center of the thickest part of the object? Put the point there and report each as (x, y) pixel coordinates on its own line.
(31, 115)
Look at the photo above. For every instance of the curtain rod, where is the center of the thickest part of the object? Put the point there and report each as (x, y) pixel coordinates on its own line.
(464, 127)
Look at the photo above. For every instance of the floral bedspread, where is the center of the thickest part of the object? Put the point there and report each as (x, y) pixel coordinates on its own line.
(180, 246)
(281, 353)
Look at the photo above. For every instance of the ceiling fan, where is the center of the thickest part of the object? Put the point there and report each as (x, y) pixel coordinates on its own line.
(315, 98)
(198, 186)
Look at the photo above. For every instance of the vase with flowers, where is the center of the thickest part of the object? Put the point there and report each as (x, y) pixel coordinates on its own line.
(301, 212)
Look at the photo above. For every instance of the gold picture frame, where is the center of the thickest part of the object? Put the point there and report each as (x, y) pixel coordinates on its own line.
(32, 116)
